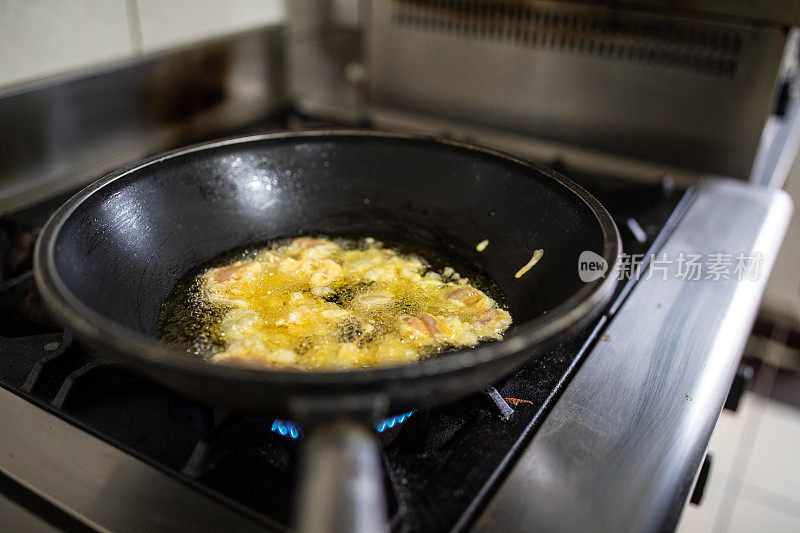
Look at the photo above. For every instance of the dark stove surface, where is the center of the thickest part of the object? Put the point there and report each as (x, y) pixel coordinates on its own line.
(440, 464)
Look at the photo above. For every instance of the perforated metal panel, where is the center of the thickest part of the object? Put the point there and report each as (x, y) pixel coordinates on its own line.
(689, 92)
(622, 36)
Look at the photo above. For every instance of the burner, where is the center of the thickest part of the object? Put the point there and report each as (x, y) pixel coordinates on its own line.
(290, 429)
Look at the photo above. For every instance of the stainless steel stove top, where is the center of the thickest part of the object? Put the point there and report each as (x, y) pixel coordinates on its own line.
(608, 436)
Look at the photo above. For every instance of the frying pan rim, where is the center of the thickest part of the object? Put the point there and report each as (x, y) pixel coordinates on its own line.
(109, 334)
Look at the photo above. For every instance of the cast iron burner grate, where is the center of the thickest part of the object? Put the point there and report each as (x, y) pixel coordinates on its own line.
(440, 465)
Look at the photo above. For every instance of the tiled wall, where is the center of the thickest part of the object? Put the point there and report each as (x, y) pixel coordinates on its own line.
(41, 38)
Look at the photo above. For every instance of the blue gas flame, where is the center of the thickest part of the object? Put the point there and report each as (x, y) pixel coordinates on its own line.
(289, 429)
(392, 421)
(286, 428)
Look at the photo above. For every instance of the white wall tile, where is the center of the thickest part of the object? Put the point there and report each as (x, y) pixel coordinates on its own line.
(775, 458)
(770, 499)
(749, 516)
(176, 22)
(40, 38)
(724, 448)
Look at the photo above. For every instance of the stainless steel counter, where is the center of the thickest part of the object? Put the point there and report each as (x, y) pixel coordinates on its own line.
(622, 445)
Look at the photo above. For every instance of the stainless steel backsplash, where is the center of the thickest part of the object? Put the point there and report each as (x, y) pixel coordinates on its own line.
(64, 132)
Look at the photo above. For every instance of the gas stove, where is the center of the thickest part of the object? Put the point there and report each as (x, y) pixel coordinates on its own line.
(86, 442)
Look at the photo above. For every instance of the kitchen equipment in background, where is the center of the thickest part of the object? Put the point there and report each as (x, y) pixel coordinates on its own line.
(703, 88)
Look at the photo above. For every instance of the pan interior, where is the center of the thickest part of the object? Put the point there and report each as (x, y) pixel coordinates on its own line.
(125, 246)
(191, 322)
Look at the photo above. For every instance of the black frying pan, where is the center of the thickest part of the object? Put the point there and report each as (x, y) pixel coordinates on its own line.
(109, 257)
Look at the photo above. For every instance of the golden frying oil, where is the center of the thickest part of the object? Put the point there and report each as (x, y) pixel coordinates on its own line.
(321, 304)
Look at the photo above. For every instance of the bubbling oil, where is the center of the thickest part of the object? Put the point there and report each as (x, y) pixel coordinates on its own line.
(328, 304)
